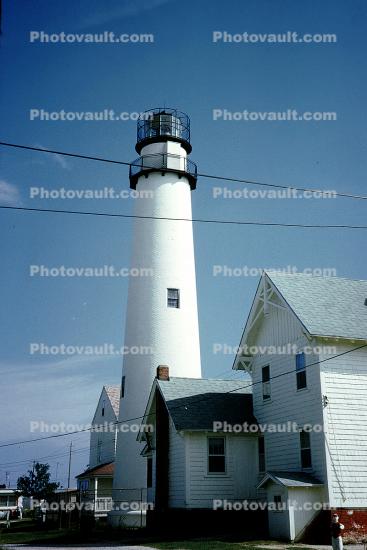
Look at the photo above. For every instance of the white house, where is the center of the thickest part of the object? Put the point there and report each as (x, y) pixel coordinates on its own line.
(95, 483)
(305, 348)
(8, 501)
(192, 463)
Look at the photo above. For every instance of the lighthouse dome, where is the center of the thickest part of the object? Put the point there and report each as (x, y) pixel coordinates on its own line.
(163, 124)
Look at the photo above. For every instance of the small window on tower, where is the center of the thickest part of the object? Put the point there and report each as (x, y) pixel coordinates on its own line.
(122, 392)
(173, 297)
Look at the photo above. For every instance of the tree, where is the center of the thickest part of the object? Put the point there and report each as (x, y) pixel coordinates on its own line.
(37, 483)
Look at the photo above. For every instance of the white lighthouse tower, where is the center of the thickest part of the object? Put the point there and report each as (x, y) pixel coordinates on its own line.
(161, 318)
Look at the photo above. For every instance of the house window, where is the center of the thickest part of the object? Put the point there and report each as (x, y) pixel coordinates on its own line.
(266, 382)
(173, 297)
(216, 455)
(301, 371)
(305, 444)
(103, 407)
(261, 454)
(122, 392)
(149, 472)
(84, 484)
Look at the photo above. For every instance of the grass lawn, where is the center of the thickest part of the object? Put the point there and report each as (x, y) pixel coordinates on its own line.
(107, 537)
(218, 544)
(204, 545)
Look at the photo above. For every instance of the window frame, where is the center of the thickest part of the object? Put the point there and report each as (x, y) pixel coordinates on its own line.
(224, 455)
(261, 454)
(265, 384)
(176, 299)
(301, 375)
(304, 449)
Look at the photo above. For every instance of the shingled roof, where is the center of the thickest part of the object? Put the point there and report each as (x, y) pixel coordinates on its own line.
(326, 306)
(291, 479)
(195, 403)
(113, 393)
(105, 469)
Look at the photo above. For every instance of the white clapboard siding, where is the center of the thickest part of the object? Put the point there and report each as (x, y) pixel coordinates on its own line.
(237, 483)
(106, 437)
(287, 404)
(344, 382)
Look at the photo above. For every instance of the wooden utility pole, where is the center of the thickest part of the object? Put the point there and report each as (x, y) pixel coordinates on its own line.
(69, 498)
(71, 446)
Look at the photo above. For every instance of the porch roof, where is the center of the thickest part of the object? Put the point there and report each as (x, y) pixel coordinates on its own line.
(290, 479)
(101, 470)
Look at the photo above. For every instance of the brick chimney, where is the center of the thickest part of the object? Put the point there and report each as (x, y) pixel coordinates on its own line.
(163, 372)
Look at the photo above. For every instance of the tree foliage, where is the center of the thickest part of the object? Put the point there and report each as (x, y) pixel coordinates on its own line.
(37, 482)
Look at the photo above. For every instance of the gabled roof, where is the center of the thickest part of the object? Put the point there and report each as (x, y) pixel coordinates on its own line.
(195, 403)
(106, 469)
(326, 306)
(113, 393)
(290, 479)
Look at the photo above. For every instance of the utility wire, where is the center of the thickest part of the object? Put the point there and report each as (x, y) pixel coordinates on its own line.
(252, 384)
(195, 220)
(203, 175)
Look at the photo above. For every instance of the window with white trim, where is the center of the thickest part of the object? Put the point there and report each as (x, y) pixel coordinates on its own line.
(305, 445)
(301, 371)
(216, 455)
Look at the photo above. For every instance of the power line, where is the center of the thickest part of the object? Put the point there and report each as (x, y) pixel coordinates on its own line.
(252, 384)
(195, 220)
(203, 175)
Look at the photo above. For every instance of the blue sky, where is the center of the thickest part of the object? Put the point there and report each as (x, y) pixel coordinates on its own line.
(182, 69)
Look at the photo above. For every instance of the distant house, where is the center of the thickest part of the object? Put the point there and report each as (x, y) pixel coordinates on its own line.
(323, 458)
(95, 483)
(8, 501)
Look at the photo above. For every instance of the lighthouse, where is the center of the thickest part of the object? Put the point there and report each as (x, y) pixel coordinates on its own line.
(161, 317)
